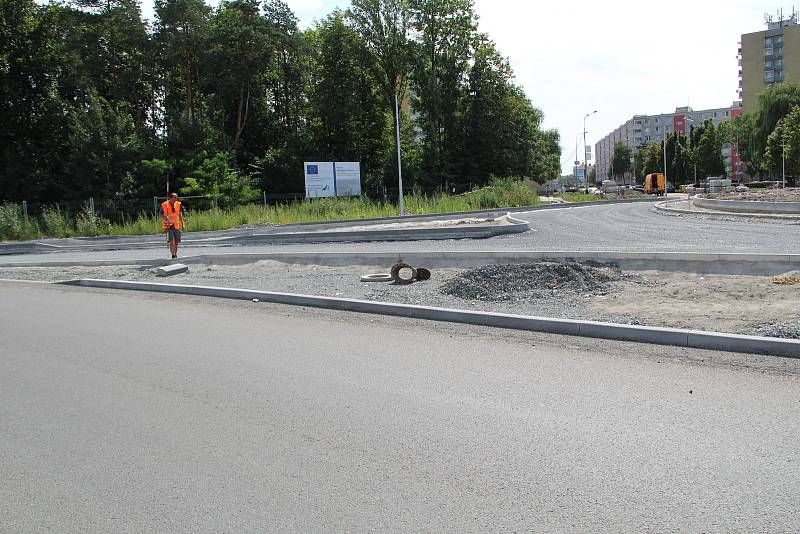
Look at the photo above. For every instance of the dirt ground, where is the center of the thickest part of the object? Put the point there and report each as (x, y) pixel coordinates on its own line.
(722, 303)
(790, 194)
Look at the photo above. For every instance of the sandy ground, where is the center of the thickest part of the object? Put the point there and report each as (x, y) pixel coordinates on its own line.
(448, 223)
(728, 216)
(722, 303)
(790, 194)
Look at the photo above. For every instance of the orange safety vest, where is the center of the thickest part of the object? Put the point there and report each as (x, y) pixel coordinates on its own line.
(173, 214)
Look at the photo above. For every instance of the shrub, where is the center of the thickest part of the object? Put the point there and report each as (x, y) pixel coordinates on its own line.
(88, 223)
(55, 224)
(10, 221)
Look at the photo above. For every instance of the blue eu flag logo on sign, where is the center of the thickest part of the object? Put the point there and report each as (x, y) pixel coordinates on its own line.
(312, 169)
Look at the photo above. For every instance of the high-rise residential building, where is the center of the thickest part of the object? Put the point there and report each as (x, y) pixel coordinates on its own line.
(641, 130)
(769, 57)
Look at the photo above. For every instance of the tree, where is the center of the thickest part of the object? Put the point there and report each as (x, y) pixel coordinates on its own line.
(502, 130)
(783, 145)
(181, 33)
(653, 159)
(109, 53)
(708, 153)
(546, 164)
(216, 179)
(446, 32)
(31, 110)
(384, 26)
(638, 162)
(620, 161)
(349, 115)
(740, 131)
(239, 49)
(750, 131)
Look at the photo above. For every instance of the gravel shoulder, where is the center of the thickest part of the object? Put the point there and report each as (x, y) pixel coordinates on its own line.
(722, 303)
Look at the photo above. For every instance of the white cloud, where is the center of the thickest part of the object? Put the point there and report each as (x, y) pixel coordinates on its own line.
(620, 57)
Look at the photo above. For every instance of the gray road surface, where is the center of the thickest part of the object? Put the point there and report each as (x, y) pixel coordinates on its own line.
(619, 227)
(140, 413)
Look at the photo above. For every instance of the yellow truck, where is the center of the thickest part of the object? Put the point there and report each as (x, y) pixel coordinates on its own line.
(654, 184)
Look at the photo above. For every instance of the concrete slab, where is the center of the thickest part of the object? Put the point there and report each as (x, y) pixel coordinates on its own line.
(172, 270)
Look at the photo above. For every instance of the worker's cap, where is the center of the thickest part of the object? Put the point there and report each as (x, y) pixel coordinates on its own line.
(174, 195)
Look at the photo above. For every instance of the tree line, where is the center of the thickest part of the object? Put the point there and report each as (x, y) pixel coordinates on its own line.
(99, 102)
(765, 139)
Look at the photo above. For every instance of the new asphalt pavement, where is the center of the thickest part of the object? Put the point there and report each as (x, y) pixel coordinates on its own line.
(131, 412)
(637, 227)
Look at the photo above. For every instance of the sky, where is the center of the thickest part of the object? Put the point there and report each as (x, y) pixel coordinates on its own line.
(619, 57)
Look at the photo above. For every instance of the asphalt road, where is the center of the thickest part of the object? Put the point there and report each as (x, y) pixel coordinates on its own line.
(142, 413)
(619, 227)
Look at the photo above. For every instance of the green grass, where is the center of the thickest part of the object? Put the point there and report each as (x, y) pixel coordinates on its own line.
(501, 193)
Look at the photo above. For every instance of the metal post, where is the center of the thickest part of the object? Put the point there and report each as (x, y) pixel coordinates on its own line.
(265, 199)
(25, 211)
(155, 206)
(665, 169)
(399, 160)
(784, 167)
(91, 204)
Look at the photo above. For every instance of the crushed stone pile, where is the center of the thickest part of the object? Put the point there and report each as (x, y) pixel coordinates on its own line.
(503, 283)
(787, 330)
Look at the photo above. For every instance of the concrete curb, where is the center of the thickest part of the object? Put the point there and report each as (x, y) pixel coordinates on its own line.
(745, 206)
(662, 206)
(661, 336)
(745, 264)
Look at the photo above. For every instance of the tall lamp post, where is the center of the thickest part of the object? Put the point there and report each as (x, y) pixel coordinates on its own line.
(665, 167)
(783, 168)
(585, 163)
(399, 159)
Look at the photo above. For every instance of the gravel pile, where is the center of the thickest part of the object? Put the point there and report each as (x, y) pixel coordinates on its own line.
(504, 283)
(787, 330)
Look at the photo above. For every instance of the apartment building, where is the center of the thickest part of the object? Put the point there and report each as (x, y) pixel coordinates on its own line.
(641, 130)
(769, 57)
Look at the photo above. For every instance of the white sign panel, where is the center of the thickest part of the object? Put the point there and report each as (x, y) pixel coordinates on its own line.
(320, 179)
(588, 152)
(348, 179)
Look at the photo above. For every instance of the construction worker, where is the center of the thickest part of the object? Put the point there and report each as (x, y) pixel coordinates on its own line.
(172, 222)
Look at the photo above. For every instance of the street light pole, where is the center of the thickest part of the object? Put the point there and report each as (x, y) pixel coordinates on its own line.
(783, 170)
(399, 162)
(665, 166)
(585, 163)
